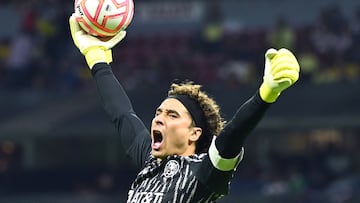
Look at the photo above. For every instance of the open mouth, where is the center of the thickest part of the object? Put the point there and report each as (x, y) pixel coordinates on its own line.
(157, 139)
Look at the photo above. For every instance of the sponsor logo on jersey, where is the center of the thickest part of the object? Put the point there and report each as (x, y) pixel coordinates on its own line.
(145, 197)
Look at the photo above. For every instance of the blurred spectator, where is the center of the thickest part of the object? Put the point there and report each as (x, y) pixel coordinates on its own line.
(352, 71)
(20, 61)
(332, 39)
(236, 73)
(213, 27)
(309, 64)
(282, 35)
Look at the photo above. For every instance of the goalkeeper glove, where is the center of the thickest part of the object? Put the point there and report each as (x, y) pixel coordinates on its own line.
(94, 49)
(281, 71)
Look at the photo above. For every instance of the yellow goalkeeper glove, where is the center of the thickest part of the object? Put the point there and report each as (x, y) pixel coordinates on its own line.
(281, 71)
(94, 49)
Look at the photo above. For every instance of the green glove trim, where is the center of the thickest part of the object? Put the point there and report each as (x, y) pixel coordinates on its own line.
(95, 55)
(267, 94)
(108, 54)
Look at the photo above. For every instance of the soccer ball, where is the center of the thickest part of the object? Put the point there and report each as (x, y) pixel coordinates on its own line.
(104, 18)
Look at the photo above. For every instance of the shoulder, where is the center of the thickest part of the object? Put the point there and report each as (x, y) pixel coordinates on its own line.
(196, 157)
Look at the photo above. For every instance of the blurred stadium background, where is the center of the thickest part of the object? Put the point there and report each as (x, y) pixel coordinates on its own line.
(57, 145)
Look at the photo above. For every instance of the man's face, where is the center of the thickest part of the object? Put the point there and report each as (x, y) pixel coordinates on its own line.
(171, 130)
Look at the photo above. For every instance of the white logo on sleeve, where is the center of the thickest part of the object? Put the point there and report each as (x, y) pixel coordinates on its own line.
(171, 168)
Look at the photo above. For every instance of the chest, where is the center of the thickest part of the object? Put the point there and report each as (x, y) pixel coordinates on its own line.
(173, 181)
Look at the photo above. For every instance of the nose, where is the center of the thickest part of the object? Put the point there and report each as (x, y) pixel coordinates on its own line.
(158, 120)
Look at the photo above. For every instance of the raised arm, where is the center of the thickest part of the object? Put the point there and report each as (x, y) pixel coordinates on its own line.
(281, 71)
(226, 151)
(134, 135)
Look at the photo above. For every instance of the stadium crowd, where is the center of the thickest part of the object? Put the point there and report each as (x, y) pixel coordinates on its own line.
(41, 55)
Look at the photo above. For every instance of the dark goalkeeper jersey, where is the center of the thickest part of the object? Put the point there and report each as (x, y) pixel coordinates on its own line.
(176, 179)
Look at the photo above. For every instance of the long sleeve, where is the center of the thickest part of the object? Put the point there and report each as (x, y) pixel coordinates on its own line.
(230, 141)
(216, 169)
(135, 136)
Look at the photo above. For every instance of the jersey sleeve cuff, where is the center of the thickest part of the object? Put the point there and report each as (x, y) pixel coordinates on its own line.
(223, 164)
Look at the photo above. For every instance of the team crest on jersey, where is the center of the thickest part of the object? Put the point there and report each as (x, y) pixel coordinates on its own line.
(171, 168)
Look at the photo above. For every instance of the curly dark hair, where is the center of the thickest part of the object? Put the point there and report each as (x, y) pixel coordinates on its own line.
(215, 122)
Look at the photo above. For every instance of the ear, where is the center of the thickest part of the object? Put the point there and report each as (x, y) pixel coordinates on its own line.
(195, 134)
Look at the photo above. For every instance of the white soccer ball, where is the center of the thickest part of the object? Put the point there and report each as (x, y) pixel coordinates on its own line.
(104, 18)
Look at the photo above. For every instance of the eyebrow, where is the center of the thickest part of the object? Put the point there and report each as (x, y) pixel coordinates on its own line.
(168, 111)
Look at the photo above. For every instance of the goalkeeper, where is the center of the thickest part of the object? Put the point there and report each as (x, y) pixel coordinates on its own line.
(189, 154)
